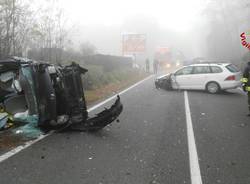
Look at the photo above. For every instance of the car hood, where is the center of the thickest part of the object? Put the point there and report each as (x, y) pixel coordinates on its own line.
(165, 76)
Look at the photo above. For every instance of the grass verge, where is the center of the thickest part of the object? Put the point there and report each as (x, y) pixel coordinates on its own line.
(102, 92)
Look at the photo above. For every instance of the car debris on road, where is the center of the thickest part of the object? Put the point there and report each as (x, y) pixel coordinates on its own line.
(48, 96)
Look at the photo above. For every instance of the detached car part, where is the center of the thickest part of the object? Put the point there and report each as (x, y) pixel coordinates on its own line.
(49, 95)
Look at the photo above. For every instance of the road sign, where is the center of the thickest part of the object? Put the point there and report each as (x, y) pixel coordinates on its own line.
(162, 50)
(133, 43)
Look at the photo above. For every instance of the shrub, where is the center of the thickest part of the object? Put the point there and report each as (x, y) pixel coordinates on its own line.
(96, 77)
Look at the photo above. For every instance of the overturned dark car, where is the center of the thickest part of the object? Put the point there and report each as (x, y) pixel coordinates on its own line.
(49, 96)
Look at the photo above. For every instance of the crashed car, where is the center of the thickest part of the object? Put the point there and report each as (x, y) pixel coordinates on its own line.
(212, 77)
(164, 82)
(48, 95)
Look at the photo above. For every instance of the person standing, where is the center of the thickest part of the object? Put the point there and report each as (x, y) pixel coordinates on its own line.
(147, 65)
(156, 63)
(246, 84)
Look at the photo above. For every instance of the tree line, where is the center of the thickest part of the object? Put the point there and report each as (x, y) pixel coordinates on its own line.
(226, 20)
(38, 31)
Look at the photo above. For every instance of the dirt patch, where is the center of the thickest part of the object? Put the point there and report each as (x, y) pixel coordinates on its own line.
(8, 140)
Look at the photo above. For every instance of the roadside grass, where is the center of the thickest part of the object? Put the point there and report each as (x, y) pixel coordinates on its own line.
(114, 86)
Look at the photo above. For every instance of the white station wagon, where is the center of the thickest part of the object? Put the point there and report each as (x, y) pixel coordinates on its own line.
(212, 77)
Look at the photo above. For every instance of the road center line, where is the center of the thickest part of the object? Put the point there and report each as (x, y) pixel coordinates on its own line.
(193, 156)
(16, 150)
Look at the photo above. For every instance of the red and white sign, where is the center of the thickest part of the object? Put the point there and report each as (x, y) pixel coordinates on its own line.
(244, 39)
(133, 43)
(162, 50)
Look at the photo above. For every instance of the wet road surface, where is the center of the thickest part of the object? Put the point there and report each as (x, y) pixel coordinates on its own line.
(148, 145)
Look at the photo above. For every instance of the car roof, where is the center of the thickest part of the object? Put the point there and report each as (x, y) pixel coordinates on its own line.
(207, 64)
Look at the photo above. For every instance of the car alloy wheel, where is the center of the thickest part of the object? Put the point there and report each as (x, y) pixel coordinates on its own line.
(213, 87)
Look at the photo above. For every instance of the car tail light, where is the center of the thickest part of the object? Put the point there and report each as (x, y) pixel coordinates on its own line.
(230, 78)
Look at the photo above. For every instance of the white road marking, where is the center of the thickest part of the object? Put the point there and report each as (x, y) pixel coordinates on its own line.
(22, 147)
(193, 156)
(16, 150)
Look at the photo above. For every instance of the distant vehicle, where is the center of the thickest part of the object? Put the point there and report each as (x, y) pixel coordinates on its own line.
(164, 57)
(212, 77)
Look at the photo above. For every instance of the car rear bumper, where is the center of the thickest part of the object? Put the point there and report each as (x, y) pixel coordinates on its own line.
(102, 119)
(230, 84)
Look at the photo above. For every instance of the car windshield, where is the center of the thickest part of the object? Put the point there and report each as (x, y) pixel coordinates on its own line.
(125, 91)
(184, 71)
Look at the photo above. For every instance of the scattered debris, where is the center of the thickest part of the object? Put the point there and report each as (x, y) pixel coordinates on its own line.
(3, 120)
(29, 130)
(233, 163)
(128, 173)
(19, 131)
(243, 125)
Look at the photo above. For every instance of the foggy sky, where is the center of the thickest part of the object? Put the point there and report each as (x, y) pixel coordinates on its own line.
(197, 28)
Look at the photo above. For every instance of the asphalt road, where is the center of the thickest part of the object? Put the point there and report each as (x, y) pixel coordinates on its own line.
(149, 144)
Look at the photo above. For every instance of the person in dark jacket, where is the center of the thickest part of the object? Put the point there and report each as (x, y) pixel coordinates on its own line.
(147, 65)
(155, 65)
(246, 83)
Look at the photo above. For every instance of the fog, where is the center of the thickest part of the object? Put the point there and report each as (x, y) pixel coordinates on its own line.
(208, 29)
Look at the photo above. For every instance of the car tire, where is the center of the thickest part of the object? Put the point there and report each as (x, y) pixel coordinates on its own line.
(213, 87)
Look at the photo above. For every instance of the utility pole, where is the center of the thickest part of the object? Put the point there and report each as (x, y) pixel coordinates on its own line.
(13, 27)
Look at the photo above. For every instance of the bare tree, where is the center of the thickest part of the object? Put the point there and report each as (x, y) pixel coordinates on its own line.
(50, 33)
(226, 20)
(15, 25)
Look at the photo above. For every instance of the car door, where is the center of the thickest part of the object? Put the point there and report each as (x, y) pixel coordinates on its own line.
(200, 76)
(181, 78)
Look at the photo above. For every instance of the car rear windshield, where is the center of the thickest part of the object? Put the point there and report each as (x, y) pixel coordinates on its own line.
(232, 68)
